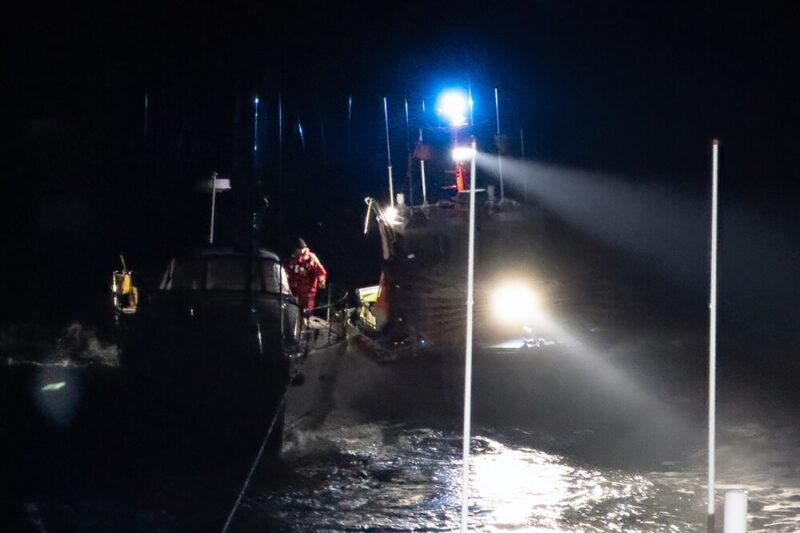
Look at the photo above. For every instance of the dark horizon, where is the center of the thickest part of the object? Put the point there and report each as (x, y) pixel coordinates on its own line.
(582, 377)
(622, 89)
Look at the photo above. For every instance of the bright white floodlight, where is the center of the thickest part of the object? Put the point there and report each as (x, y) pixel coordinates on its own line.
(454, 106)
(514, 303)
(391, 215)
(462, 153)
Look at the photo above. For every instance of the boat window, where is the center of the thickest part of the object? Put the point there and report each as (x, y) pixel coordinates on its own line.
(227, 274)
(270, 276)
(188, 275)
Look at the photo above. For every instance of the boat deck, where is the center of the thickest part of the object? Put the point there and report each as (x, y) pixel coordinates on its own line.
(318, 333)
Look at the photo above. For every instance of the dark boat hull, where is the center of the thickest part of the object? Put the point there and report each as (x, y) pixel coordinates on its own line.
(194, 362)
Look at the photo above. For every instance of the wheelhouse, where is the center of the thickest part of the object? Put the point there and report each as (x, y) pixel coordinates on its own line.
(226, 270)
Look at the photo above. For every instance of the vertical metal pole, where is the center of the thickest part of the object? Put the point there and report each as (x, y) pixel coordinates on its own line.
(328, 314)
(349, 125)
(422, 173)
(146, 110)
(256, 180)
(144, 147)
(213, 206)
(280, 167)
(282, 304)
(522, 156)
(349, 109)
(499, 155)
(712, 337)
(468, 351)
(255, 124)
(471, 115)
(408, 156)
(388, 152)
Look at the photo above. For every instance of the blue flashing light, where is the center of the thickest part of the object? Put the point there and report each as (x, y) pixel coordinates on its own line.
(454, 105)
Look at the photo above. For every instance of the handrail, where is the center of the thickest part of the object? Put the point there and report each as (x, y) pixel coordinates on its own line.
(332, 305)
(337, 318)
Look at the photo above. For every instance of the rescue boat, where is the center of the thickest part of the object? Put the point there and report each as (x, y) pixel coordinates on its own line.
(220, 342)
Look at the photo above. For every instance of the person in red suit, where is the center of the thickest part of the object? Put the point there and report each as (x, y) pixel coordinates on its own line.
(306, 275)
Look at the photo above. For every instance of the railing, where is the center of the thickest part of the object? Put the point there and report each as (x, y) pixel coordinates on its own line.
(327, 325)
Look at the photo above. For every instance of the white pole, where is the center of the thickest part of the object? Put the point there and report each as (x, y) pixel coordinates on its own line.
(255, 124)
(213, 206)
(712, 337)
(735, 517)
(422, 172)
(388, 152)
(471, 116)
(499, 155)
(468, 352)
(522, 156)
(410, 183)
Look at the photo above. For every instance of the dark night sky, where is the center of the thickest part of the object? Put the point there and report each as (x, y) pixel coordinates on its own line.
(631, 88)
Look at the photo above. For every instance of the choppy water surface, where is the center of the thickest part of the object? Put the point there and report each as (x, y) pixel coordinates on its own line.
(353, 475)
(75, 345)
(397, 478)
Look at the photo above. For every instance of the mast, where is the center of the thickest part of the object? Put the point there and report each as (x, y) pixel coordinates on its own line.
(388, 152)
(499, 154)
(422, 173)
(408, 151)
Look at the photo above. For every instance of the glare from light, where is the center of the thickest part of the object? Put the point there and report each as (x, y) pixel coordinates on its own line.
(390, 215)
(521, 485)
(514, 303)
(454, 105)
(462, 153)
(255, 100)
(54, 386)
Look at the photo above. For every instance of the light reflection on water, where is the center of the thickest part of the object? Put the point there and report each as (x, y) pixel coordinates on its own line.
(383, 477)
(388, 477)
(395, 478)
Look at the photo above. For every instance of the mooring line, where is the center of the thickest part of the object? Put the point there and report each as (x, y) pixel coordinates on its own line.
(254, 466)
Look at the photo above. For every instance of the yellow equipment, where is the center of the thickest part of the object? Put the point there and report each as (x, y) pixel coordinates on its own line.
(367, 297)
(124, 294)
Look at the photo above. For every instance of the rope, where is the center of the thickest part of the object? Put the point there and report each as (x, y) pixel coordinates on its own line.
(254, 466)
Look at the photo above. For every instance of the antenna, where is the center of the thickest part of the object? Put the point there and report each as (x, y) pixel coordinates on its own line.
(388, 151)
(213, 185)
(499, 154)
